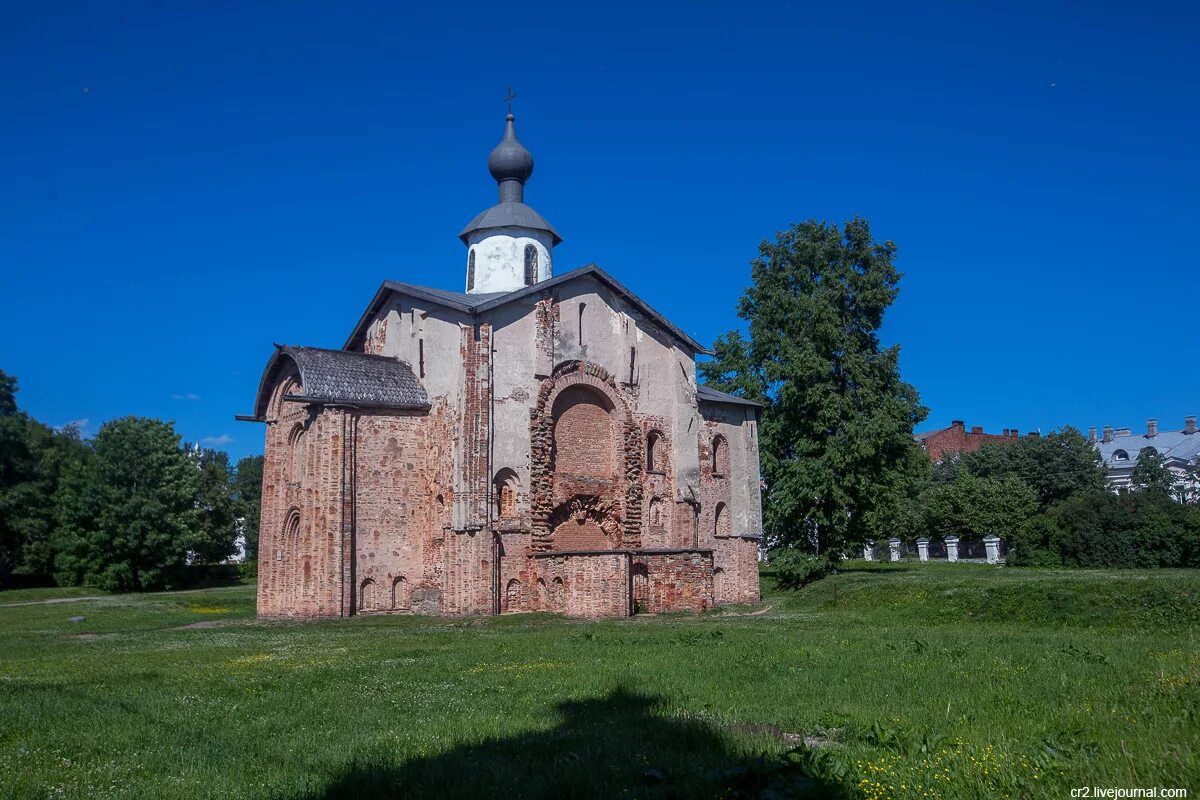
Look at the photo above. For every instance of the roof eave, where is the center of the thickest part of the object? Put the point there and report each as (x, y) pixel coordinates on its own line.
(589, 269)
(355, 403)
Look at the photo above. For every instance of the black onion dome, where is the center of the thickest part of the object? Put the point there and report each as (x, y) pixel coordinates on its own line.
(509, 159)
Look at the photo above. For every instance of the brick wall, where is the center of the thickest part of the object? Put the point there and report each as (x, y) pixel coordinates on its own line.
(735, 577)
(301, 540)
(473, 481)
(594, 585)
(398, 507)
(397, 477)
(676, 581)
(957, 439)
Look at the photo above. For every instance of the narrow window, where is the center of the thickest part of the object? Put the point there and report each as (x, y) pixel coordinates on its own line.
(720, 457)
(582, 306)
(471, 270)
(505, 492)
(531, 265)
(298, 438)
(632, 362)
(655, 462)
(421, 357)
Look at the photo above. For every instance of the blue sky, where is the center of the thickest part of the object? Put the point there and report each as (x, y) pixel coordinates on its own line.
(184, 184)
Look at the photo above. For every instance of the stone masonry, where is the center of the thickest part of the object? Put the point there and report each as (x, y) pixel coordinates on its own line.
(537, 444)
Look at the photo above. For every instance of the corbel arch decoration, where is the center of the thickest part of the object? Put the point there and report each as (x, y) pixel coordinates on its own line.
(628, 448)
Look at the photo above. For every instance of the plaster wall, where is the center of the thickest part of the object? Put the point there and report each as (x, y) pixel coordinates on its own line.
(737, 424)
(500, 258)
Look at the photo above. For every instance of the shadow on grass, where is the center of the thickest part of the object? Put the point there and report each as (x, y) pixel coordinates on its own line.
(849, 568)
(609, 747)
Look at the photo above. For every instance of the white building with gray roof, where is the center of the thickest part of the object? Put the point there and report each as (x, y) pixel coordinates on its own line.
(1180, 450)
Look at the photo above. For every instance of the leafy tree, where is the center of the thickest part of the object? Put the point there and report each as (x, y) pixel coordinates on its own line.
(948, 468)
(128, 515)
(248, 497)
(1151, 473)
(32, 459)
(973, 507)
(1056, 466)
(836, 433)
(218, 511)
(8, 394)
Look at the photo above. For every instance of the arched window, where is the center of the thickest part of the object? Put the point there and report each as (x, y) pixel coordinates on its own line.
(471, 269)
(400, 592)
(543, 595)
(558, 593)
(1120, 455)
(505, 491)
(655, 453)
(531, 265)
(366, 595)
(291, 536)
(512, 595)
(721, 520)
(297, 442)
(720, 457)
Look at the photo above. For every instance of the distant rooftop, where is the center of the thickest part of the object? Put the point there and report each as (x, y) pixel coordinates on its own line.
(1120, 447)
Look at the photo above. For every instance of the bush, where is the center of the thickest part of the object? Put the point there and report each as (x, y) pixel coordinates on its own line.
(248, 570)
(1035, 544)
(1099, 529)
(795, 569)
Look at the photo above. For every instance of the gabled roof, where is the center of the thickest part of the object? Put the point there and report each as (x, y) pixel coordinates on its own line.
(706, 394)
(473, 304)
(342, 376)
(1171, 445)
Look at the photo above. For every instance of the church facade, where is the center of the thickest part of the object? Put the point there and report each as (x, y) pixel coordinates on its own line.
(537, 442)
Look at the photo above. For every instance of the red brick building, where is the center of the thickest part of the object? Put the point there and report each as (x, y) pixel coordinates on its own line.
(535, 443)
(957, 439)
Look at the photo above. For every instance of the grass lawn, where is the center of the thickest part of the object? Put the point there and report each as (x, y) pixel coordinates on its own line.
(950, 681)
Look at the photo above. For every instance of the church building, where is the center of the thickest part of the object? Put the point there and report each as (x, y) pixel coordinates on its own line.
(536, 442)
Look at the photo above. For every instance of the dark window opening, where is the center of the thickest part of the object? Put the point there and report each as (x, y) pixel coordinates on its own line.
(531, 265)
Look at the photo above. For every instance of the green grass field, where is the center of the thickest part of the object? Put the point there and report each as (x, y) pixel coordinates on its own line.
(915, 681)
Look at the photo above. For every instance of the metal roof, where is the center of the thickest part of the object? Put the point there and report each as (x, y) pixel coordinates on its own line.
(342, 376)
(473, 304)
(511, 214)
(710, 395)
(1171, 445)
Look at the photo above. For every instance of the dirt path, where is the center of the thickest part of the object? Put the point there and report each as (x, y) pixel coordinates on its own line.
(54, 601)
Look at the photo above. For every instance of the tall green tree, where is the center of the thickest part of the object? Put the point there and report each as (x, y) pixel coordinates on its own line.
(32, 459)
(1151, 473)
(248, 497)
(836, 433)
(218, 527)
(128, 515)
(1057, 466)
(973, 507)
